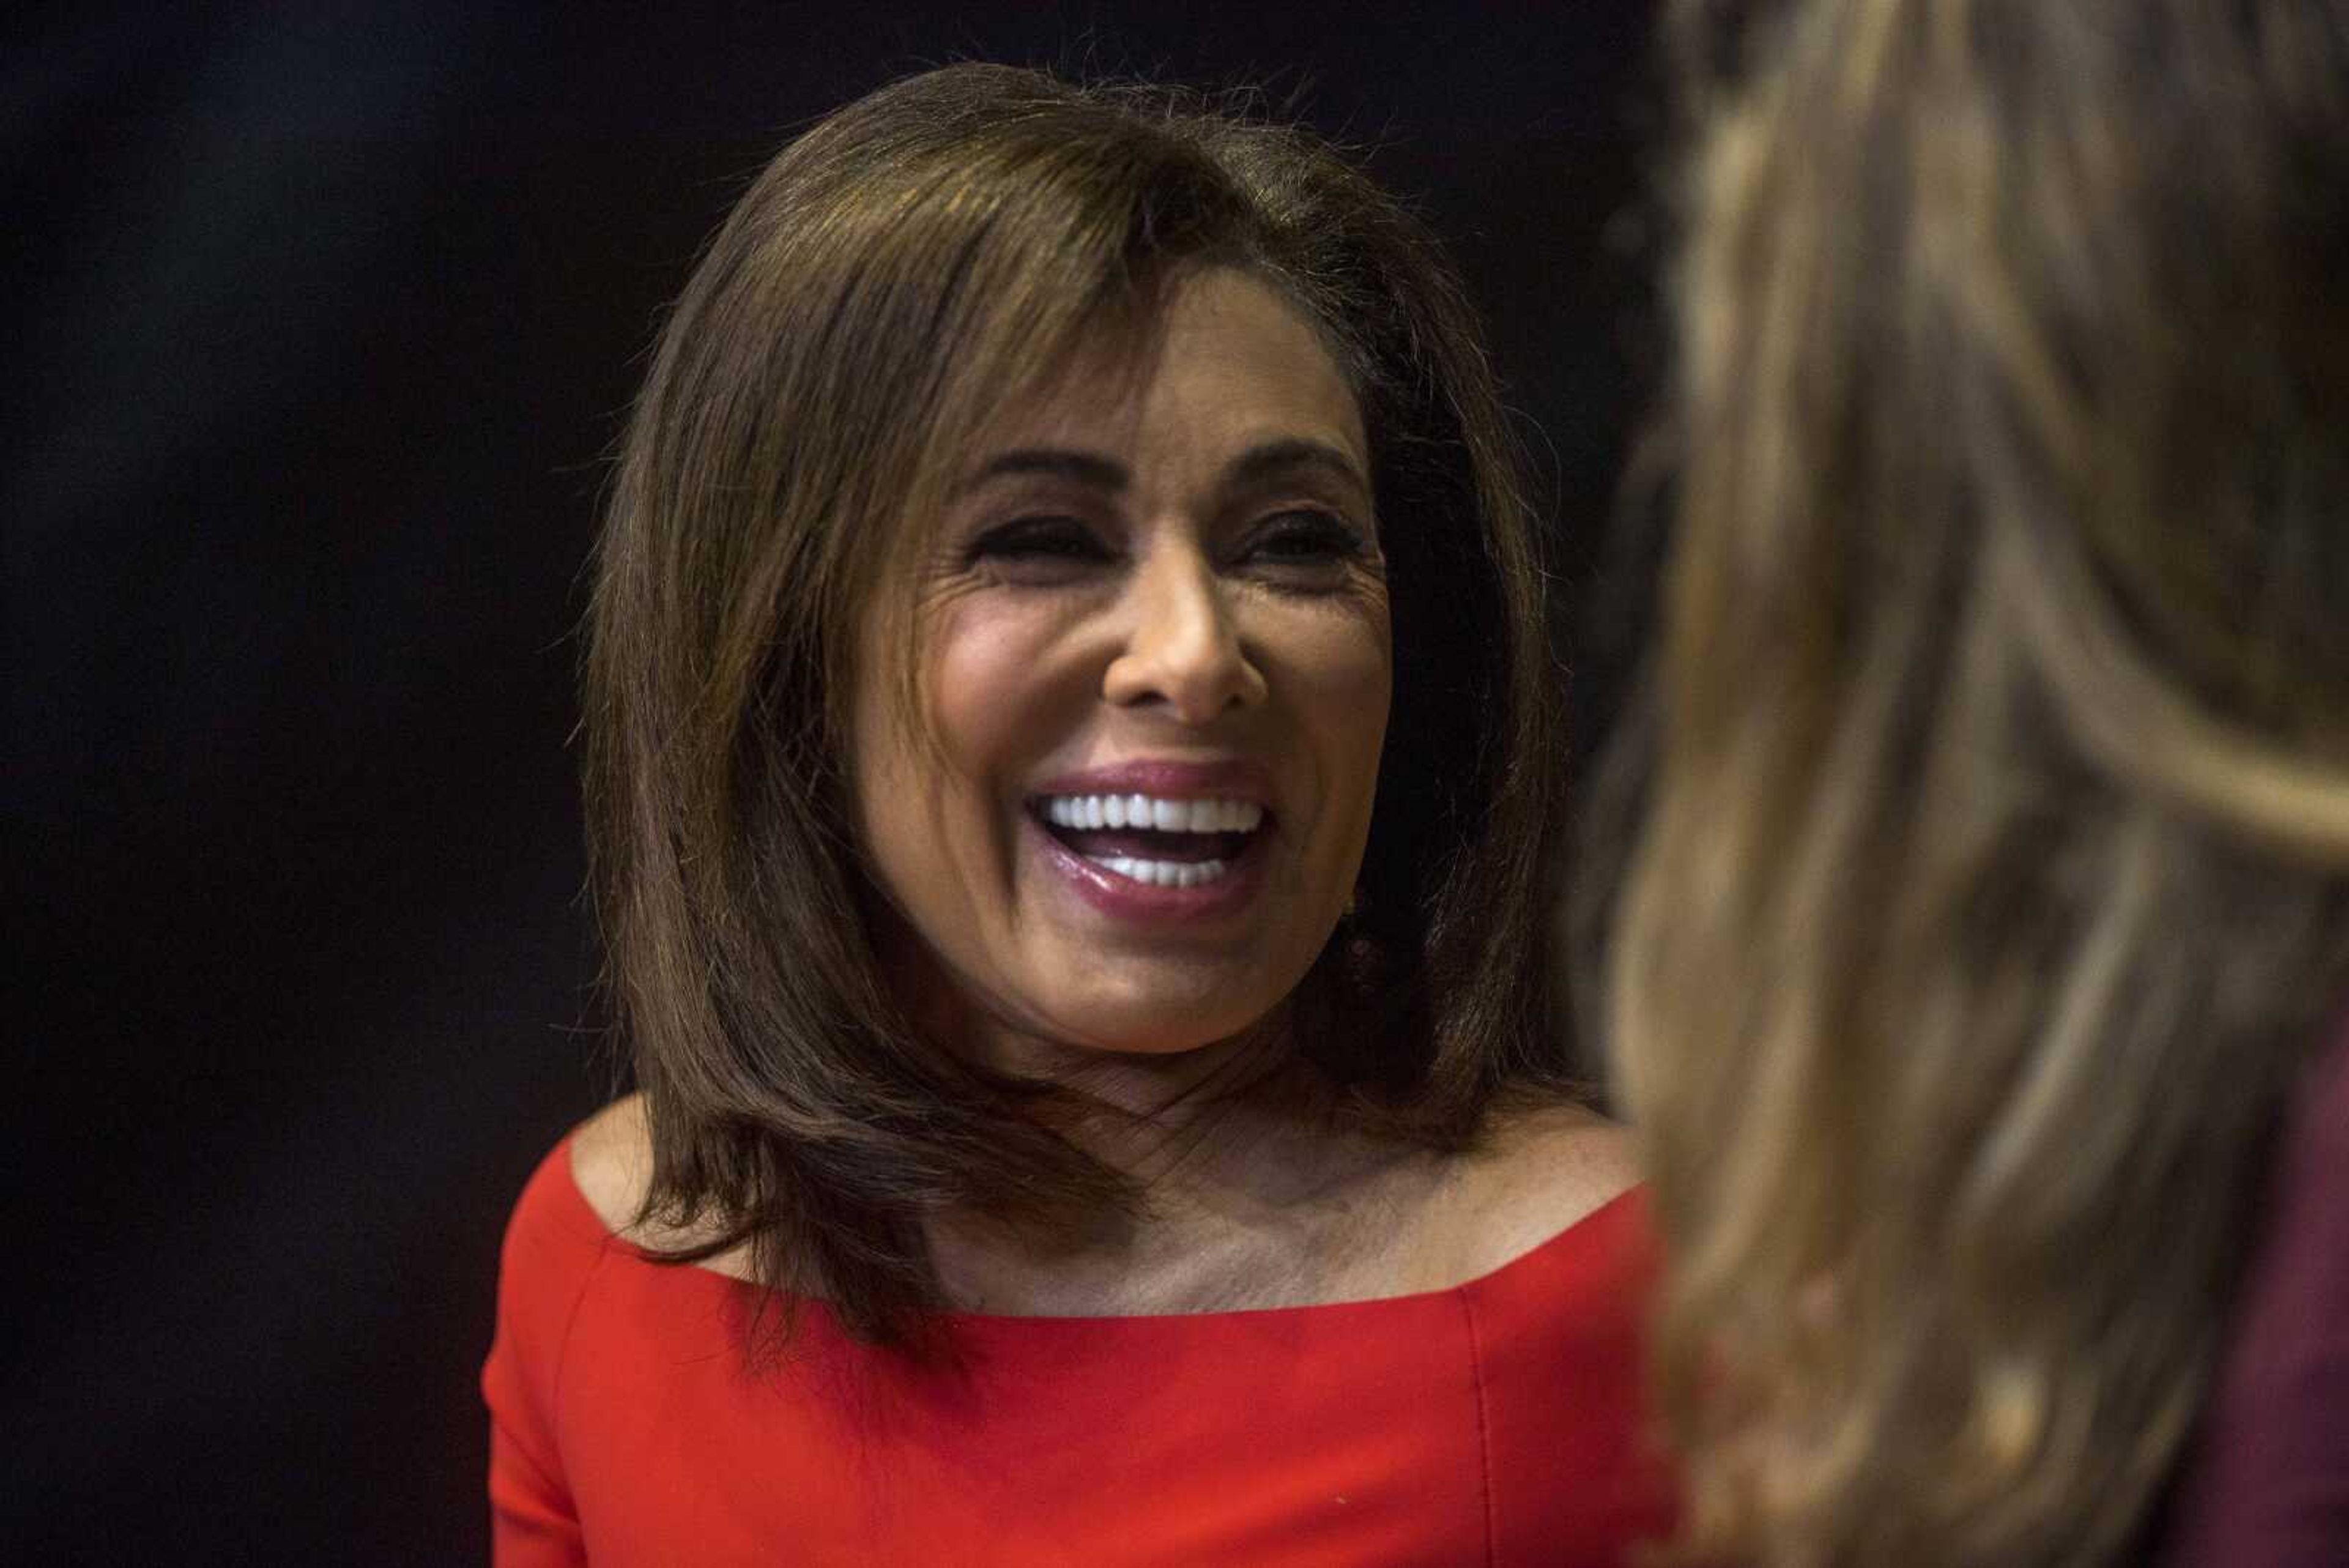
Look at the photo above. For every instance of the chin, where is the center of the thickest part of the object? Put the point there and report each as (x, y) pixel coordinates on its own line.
(1161, 1026)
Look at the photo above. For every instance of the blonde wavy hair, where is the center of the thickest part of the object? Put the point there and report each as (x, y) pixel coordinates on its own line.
(1989, 878)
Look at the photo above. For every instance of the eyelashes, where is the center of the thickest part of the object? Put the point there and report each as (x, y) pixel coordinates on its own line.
(1308, 534)
(1296, 544)
(1069, 541)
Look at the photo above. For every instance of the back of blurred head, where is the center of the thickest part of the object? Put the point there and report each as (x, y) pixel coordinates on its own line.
(1993, 880)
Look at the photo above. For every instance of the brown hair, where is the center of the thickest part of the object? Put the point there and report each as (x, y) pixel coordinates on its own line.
(893, 276)
(1994, 879)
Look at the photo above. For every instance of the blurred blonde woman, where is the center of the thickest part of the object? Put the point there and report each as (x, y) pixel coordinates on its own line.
(1979, 973)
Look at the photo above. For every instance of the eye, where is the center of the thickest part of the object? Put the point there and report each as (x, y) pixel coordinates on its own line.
(1306, 539)
(1040, 548)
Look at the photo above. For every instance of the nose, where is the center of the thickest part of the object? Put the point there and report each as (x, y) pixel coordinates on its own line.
(1181, 649)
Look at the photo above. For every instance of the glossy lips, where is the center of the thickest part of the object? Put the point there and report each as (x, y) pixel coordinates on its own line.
(1131, 850)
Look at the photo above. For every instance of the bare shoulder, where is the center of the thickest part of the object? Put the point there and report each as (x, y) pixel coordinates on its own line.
(612, 1162)
(1539, 1170)
(1561, 1147)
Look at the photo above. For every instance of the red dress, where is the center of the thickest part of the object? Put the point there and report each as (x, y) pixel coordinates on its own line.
(1498, 1422)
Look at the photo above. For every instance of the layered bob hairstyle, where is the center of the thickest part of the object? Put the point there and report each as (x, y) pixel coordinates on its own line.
(1993, 881)
(893, 276)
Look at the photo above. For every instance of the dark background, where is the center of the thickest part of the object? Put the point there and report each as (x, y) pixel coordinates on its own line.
(317, 323)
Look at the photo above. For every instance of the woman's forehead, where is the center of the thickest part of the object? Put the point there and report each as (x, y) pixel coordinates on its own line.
(1219, 357)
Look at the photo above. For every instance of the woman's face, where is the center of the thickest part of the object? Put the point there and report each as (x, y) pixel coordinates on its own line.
(1155, 665)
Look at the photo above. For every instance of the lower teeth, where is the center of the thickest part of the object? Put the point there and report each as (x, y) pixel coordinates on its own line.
(1161, 873)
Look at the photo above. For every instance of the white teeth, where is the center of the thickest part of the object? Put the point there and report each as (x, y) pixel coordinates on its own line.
(1157, 812)
(1163, 873)
(1160, 814)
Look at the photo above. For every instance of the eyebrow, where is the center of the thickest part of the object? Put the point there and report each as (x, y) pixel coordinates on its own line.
(1259, 462)
(1277, 457)
(1084, 467)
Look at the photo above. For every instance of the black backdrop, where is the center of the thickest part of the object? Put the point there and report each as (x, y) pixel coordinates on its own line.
(317, 323)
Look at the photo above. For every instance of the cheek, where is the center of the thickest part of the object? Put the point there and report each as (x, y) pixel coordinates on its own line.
(1341, 668)
(927, 770)
(978, 687)
(993, 694)
(991, 691)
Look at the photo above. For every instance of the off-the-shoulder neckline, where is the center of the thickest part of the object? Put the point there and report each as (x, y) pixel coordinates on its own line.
(1575, 1232)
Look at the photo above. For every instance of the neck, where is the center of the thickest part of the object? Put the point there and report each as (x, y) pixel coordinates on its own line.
(1172, 1119)
(1241, 1159)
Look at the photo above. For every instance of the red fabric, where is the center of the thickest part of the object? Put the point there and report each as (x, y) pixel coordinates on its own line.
(1496, 1423)
(2268, 1484)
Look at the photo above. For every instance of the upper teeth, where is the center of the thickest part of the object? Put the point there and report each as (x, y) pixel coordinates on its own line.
(1152, 812)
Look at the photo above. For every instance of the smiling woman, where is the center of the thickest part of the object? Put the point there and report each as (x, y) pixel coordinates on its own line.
(1071, 787)
(1157, 667)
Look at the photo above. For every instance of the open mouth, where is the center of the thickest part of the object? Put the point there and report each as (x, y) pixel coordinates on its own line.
(1154, 840)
